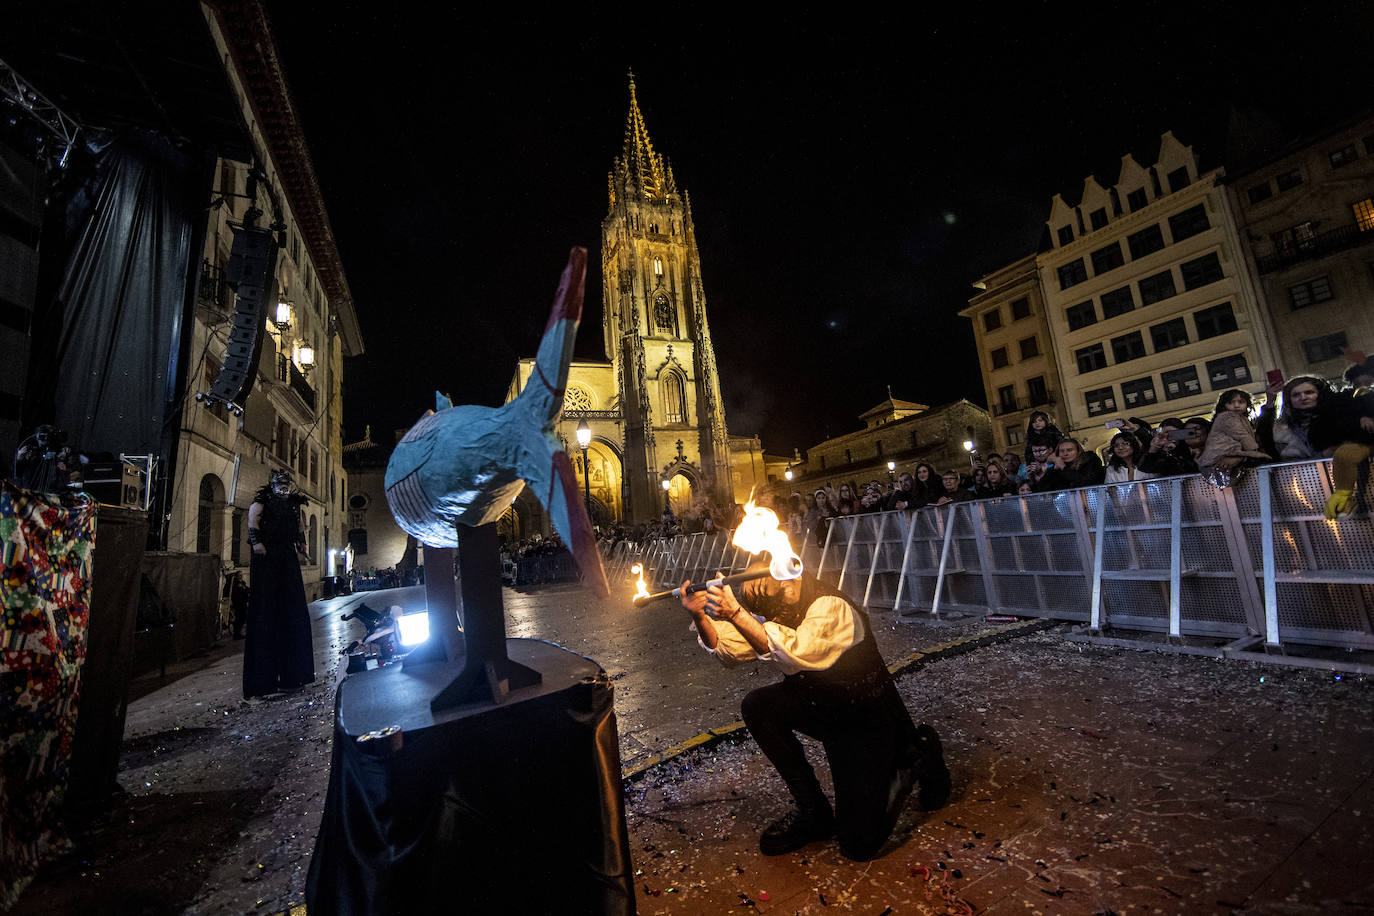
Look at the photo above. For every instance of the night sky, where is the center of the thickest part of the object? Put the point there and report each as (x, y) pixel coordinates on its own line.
(849, 179)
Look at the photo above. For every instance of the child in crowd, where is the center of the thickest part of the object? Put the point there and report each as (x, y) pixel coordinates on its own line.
(1231, 443)
(1040, 431)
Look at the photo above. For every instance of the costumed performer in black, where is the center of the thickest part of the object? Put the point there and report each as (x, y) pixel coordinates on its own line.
(278, 653)
(836, 689)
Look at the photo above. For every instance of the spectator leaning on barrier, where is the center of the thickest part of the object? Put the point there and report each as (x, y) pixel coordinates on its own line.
(1285, 433)
(1231, 442)
(927, 483)
(1347, 433)
(905, 495)
(951, 491)
(1168, 454)
(1123, 459)
(1075, 468)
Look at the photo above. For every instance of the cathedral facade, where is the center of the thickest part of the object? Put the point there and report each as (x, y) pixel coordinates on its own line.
(654, 407)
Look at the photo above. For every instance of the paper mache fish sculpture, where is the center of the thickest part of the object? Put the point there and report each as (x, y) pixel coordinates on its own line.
(465, 465)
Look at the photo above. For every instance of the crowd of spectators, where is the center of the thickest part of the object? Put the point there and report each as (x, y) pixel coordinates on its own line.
(1306, 418)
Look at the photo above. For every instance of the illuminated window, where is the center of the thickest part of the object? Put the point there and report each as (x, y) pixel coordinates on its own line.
(1364, 214)
(658, 267)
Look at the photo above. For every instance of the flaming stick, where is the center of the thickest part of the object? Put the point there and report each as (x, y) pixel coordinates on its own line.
(758, 532)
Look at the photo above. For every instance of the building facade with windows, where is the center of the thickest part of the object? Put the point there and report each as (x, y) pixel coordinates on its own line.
(1151, 308)
(293, 416)
(1307, 217)
(1014, 351)
(903, 432)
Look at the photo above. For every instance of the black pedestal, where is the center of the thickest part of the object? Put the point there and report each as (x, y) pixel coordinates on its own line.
(512, 807)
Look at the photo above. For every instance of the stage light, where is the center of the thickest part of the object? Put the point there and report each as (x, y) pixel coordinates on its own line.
(414, 628)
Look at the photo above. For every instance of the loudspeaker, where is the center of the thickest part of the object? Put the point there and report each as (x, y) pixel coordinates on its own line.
(250, 273)
(114, 483)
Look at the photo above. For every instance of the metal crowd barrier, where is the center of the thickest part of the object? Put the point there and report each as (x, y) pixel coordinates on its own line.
(1254, 563)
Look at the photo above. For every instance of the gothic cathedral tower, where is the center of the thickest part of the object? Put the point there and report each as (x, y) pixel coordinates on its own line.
(656, 334)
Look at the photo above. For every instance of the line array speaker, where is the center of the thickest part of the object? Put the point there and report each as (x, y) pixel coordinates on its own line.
(250, 273)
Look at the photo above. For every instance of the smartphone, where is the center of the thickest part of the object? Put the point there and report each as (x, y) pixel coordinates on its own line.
(1273, 378)
(1114, 424)
(1178, 435)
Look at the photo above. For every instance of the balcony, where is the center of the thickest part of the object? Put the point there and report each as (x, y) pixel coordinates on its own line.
(214, 295)
(296, 381)
(1318, 246)
(1002, 408)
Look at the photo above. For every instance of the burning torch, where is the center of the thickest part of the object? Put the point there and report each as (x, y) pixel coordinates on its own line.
(758, 532)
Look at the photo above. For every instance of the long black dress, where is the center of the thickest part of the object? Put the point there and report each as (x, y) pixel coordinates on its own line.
(278, 653)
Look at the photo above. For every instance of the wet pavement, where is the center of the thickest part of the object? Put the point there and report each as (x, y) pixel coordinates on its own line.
(1088, 779)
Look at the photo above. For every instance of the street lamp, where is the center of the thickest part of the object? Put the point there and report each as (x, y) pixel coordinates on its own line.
(788, 474)
(584, 439)
(969, 446)
(667, 485)
(891, 467)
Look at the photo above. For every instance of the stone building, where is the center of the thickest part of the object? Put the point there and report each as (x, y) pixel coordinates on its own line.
(1307, 217)
(901, 432)
(375, 541)
(1151, 307)
(293, 416)
(1020, 375)
(654, 406)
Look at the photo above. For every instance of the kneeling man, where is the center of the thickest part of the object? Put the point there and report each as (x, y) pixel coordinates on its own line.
(836, 689)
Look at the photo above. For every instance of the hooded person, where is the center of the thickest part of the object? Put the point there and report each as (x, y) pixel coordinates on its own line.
(836, 689)
(278, 652)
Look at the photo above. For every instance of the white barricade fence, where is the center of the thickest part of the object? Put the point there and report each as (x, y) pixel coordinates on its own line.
(1254, 562)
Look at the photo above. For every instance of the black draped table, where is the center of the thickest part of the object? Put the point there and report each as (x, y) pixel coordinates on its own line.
(485, 808)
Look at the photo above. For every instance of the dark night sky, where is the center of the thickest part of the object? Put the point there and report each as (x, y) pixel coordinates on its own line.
(848, 181)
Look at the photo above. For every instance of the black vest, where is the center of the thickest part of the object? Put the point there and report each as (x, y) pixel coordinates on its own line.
(858, 675)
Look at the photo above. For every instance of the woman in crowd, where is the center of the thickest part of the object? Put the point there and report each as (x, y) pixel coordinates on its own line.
(848, 503)
(1168, 454)
(1073, 468)
(1286, 434)
(927, 483)
(1040, 431)
(1123, 459)
(819, 515)
(979, 481)
(1231, 443)
(998, 482)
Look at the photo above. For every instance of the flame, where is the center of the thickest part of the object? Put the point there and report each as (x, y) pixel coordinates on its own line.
(641, 590)
(760, 531)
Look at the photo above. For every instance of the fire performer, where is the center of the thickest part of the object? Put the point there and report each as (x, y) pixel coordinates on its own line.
(278, 654)
(835, 688)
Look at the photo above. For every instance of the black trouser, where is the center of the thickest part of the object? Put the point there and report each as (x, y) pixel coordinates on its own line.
(865, 741)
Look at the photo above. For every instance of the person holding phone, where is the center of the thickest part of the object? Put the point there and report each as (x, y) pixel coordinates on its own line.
(1168, 454)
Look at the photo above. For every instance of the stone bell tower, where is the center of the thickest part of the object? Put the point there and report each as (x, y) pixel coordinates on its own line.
(656, 334)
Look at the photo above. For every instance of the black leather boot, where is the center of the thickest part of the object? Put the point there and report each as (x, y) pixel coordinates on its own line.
(810, 821)
(930, 771)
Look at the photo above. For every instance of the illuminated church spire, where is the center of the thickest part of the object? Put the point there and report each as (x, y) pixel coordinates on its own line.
(638, 167)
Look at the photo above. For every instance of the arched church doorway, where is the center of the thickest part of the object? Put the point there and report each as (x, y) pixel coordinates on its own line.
(680, 494)
(603, 464)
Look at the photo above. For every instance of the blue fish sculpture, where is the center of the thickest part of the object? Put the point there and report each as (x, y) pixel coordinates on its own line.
(465, 465)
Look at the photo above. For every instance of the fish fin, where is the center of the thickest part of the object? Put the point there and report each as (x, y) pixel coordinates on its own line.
(555, 485)
(441, 401)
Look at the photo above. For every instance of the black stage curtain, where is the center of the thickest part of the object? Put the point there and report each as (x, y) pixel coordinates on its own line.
(107, 343)
(515, 808)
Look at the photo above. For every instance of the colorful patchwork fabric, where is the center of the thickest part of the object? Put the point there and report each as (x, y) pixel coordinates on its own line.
(46, 546)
